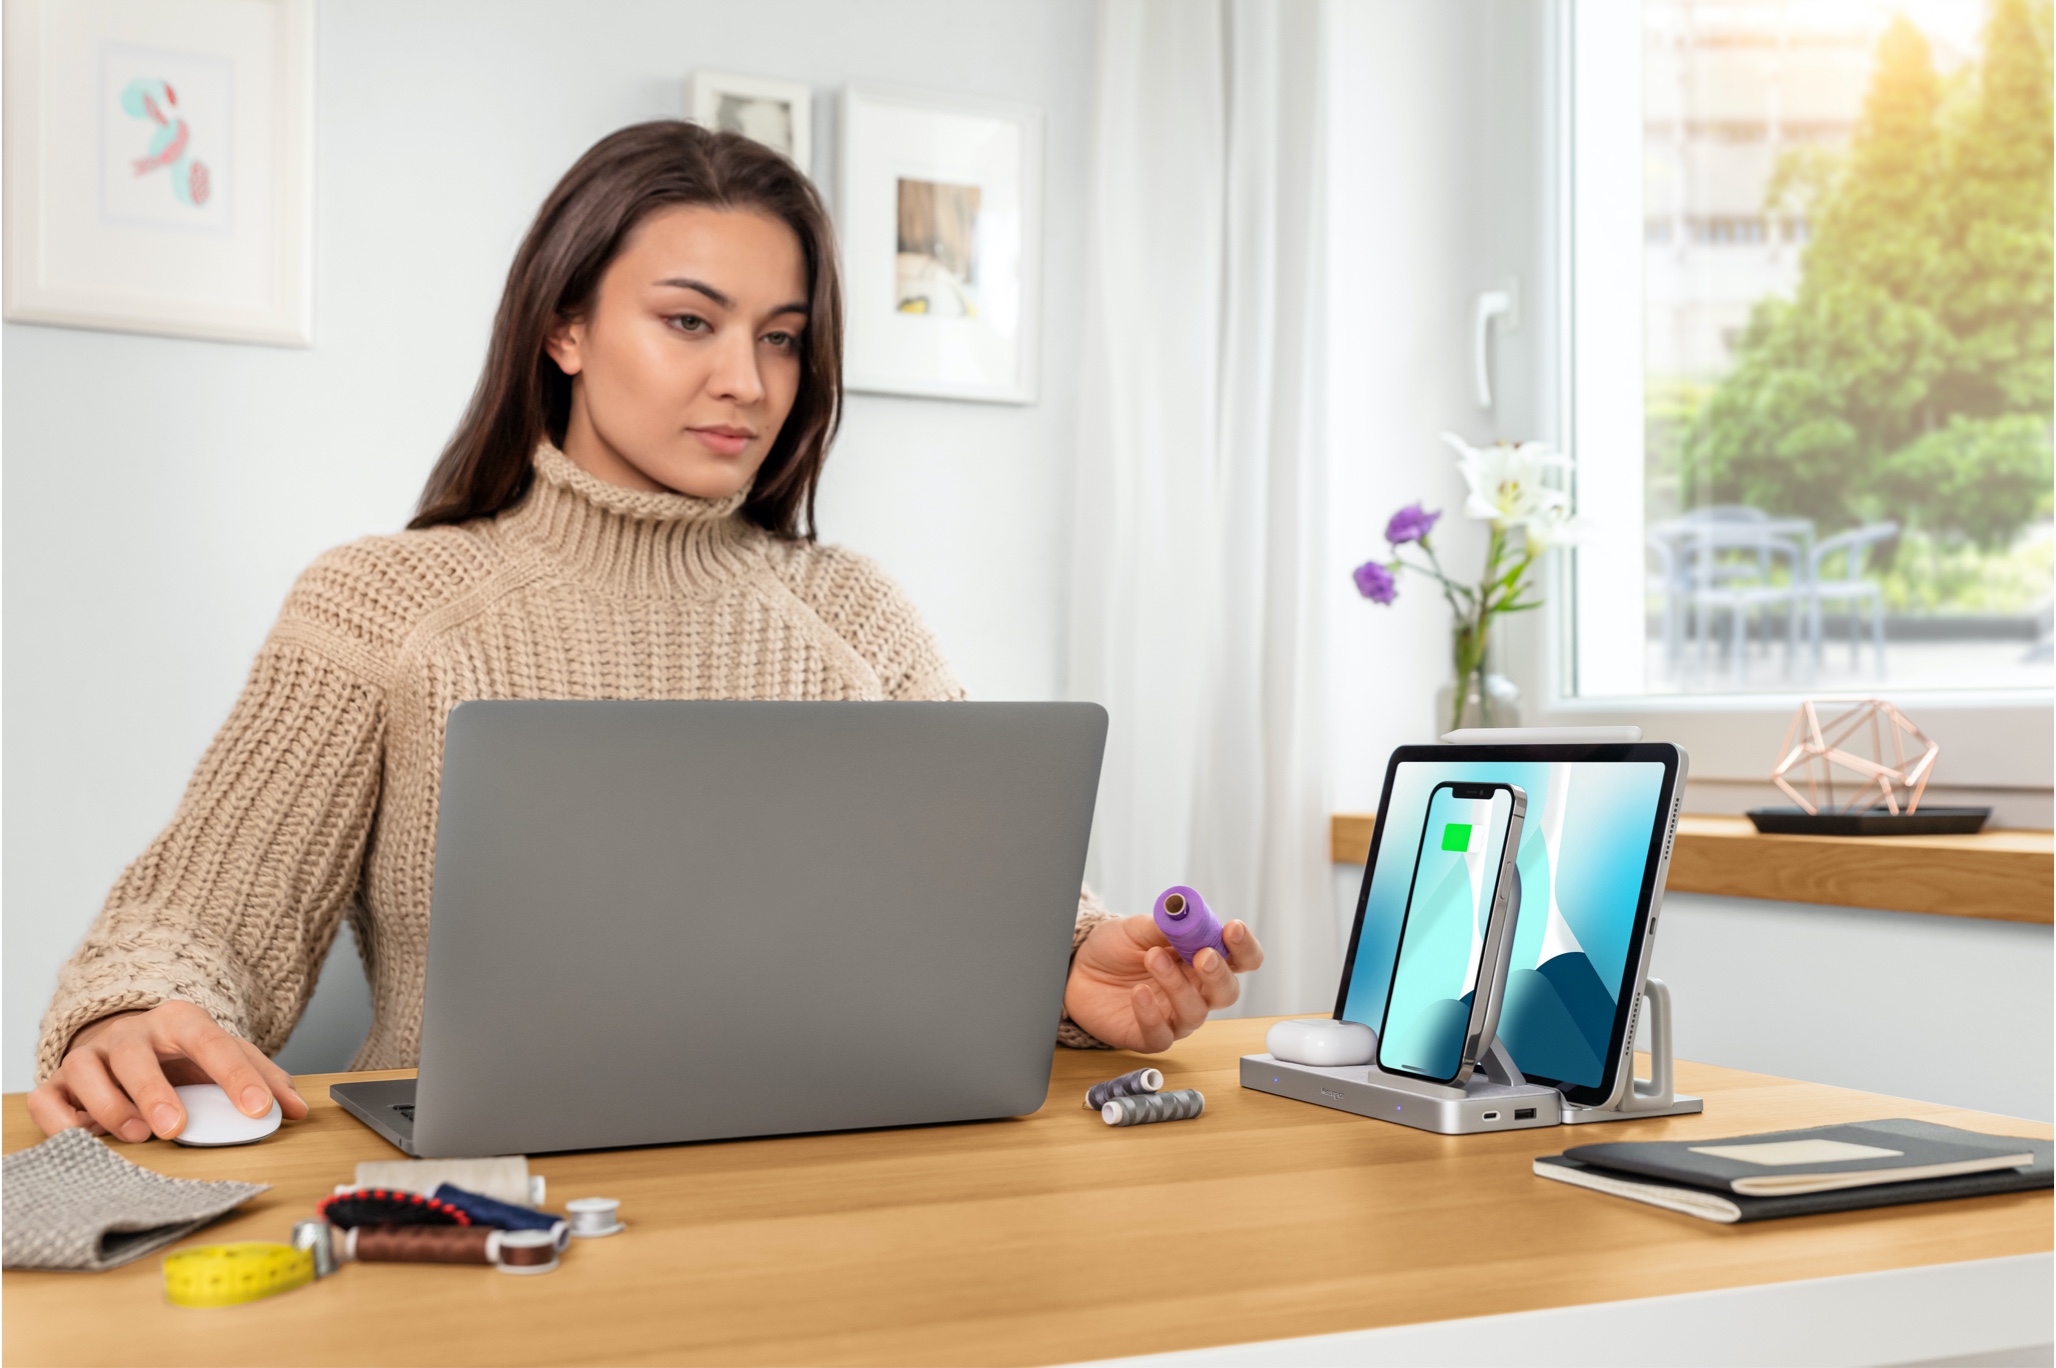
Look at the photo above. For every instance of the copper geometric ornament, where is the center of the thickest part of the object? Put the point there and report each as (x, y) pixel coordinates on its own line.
(1821, 746)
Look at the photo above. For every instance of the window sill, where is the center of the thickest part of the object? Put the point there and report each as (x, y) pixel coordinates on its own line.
(1998, 875)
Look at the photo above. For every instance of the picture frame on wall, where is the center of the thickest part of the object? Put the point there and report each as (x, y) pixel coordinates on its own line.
(941, 224)
(160, 167)
(778, 114)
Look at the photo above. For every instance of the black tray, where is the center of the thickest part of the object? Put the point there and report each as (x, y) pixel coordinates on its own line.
(1929, 821)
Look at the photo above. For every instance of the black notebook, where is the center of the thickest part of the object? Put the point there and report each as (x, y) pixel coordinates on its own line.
(1683, 1175)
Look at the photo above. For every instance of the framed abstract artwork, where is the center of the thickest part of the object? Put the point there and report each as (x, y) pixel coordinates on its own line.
(778, 114)
(941, 221)
(160, 167)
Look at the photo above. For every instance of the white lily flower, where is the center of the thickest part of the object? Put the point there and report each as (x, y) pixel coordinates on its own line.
(1553, 527)
(1508, 487)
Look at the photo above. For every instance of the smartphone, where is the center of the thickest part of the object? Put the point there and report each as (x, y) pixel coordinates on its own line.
(1455, 935)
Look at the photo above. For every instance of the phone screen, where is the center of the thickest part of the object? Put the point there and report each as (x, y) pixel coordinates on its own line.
(1442, 940)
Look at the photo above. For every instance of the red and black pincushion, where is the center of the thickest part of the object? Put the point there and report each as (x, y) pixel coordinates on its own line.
(385, 1207)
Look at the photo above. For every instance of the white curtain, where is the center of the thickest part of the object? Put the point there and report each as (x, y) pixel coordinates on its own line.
(1196, 615)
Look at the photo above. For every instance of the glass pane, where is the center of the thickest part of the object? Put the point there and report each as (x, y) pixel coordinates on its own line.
(1846, 305)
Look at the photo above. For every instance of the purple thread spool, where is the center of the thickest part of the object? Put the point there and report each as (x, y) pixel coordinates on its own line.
(1182, 916)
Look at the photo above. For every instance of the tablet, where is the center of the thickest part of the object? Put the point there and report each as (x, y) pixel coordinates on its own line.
(1593, 853)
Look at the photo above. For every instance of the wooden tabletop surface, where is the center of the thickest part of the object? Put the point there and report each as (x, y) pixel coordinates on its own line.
(1046, 1239)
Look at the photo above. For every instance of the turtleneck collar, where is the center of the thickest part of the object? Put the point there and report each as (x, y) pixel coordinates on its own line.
(628, 541)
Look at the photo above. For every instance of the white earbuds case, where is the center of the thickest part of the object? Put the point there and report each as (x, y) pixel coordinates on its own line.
(1325, 1044)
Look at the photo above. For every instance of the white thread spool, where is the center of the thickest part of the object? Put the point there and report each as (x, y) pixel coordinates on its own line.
(505, 1179)
(592, 1217)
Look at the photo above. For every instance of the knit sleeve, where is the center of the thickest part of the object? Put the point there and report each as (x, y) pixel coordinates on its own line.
(234, 905)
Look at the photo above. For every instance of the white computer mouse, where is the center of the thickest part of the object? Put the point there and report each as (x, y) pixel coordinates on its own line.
(1324, 1044)
(211, 1119)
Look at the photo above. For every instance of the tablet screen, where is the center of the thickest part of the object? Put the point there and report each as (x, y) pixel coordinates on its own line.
(1584, 851)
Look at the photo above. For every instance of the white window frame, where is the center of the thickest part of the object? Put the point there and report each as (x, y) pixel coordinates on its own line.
(1998, 746)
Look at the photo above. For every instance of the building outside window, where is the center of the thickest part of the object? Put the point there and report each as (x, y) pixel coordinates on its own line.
(1813, 428)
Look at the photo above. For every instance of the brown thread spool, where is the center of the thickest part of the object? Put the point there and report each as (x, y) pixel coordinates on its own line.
(421, 1244)
(525, 1251)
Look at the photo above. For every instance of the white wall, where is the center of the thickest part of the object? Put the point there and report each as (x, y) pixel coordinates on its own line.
(160, 495)
(1436, 192)
(1942, 1009)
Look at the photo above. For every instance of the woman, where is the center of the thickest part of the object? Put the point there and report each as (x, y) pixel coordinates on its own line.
(625, 511)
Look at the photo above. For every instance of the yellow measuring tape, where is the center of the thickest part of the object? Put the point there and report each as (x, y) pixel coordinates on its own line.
(227, 1274)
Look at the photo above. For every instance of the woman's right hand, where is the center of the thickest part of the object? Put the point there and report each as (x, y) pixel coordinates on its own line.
(119, 1073)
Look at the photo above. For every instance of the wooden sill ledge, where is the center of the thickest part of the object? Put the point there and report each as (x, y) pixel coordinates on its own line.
(2001, 875)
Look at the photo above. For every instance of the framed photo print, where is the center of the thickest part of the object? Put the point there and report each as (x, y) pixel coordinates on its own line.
(160, 167)
(778, 114)
(941, 211)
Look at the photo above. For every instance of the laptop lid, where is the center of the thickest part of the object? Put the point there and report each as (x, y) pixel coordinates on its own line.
(667, 921)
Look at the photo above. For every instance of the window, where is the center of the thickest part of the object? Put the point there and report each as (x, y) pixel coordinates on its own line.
(1813, 429)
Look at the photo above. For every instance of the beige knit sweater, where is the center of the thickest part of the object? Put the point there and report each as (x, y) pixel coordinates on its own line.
(317, 800)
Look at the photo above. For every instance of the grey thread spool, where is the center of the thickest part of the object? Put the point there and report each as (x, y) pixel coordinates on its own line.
(592, 1217)
(1149, 1108)
(1127, 1085)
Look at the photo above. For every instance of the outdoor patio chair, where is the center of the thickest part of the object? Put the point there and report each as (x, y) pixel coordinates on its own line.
(1718, 587)
(1852, 588)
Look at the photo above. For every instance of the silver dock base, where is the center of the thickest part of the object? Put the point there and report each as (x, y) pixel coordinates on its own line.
(1362, 1089)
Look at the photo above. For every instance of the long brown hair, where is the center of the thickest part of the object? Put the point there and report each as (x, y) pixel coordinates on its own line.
(522, 396)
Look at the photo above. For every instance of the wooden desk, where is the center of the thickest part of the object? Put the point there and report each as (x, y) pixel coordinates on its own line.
(1048, 1239)
(2002, 875)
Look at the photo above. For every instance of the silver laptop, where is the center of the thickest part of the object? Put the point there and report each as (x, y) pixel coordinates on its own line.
(666, 921)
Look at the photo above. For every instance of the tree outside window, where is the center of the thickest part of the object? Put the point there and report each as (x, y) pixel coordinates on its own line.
(1889, 388)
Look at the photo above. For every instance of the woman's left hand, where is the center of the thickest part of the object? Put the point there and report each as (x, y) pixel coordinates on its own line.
(1129, 988)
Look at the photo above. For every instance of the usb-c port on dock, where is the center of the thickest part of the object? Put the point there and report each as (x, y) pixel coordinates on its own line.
(1489, 1116)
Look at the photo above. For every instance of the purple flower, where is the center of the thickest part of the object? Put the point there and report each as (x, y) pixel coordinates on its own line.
(1410, 524)
(1375, 582)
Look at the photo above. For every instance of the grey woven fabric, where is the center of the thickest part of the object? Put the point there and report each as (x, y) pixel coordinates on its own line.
(73, 1203)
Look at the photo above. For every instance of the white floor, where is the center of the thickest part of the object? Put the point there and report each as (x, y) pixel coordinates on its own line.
(1989, 1311)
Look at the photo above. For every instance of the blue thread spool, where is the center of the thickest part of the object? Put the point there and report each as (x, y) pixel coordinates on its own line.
(485, 1211)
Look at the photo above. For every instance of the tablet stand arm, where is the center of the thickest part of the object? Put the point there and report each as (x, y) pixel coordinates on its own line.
(1656, 1092)
(1655, 1095)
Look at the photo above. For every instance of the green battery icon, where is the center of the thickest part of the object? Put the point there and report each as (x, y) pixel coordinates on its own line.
(1456, 836)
